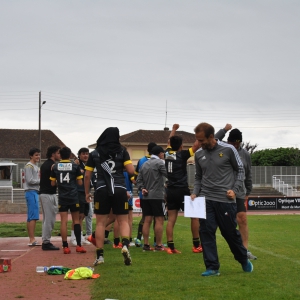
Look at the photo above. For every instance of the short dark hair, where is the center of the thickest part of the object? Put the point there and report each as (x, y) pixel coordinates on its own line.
(206, 128)
(51, 150)
(34, 150)
(83, 150)
(157, 149)
(65, 153)
(175, 142)
(150, 146)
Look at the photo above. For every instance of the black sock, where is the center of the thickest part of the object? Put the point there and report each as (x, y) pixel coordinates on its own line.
(125, 241)
(171, 245)
(93, 235)
(140, 229)
(196, 242)
(77, 232)
(65, 244)
(99, 252)
(106, 233)
(117, 241)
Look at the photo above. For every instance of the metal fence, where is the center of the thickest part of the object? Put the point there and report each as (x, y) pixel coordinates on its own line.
(287, 184)
(261, 176)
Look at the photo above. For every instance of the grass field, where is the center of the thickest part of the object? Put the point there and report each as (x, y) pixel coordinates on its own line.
(155, 275)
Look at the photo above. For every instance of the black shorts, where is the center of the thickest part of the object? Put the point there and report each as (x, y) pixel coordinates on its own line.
(130, 207)
(240, 205)
(118, 202)
(84, 206)
(153, 207)
(67, 207)
(175, 198)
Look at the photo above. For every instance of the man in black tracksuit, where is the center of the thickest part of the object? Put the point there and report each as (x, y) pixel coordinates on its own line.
(219, 176)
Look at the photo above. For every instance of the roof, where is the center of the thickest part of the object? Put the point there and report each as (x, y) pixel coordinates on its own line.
(16, 143)
(157, 136)
(160, 137)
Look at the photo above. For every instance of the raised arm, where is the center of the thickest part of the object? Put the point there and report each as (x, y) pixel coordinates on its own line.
(221, 133)
(174, 128)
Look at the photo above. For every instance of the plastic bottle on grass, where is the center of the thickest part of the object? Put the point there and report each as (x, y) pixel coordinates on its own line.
(42, 269)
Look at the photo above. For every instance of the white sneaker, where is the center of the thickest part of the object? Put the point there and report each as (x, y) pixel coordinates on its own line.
(131, 244)
(73, 242)
(250, 255)
(84, 241)
(99, 261)
(126, 256)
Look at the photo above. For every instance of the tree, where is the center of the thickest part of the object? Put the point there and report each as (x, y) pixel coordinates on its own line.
(276, 157)
(250, 148)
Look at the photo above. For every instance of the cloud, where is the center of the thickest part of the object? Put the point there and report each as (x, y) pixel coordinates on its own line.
(121, 63)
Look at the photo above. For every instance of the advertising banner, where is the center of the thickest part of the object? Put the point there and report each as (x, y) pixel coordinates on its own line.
(273, 203)
(137, 205)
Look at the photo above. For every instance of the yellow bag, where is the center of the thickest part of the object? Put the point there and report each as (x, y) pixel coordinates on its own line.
(81, 273)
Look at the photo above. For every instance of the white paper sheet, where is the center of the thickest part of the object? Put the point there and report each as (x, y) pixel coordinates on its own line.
(196, 208)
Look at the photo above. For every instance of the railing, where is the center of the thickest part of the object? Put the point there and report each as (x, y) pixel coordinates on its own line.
(286, 184)
(6, 193)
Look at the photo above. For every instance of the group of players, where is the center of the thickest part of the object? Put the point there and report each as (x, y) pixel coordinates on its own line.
(110, 159)
(41, 185)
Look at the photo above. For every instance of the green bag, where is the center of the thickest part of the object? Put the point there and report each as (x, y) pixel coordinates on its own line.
(58, 271)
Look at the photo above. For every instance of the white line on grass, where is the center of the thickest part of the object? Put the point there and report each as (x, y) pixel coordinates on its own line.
(275, 255)
(261, 250)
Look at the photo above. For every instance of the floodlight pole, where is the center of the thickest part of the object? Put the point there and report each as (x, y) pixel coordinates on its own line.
(40, 131)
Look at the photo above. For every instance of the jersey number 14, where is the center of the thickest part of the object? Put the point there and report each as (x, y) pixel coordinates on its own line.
(64, 178)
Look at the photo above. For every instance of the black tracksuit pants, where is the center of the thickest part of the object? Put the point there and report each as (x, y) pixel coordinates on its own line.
(222, 215)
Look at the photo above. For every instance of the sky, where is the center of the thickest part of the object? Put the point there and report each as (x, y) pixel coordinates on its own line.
(150, 64)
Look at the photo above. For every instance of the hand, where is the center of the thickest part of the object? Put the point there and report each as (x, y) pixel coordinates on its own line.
(76, 161)
(193, 196)
(89, 198)
(230, 194)
(144, 192)
(175, 126)
(128, 195)
(227, 127)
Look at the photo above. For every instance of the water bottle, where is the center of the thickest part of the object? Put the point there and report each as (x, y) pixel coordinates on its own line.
(43, 269)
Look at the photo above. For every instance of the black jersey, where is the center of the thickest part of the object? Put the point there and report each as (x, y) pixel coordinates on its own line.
(116, 164)
(175, 162)
(45, 173)
(80, 188)
(66, 174)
